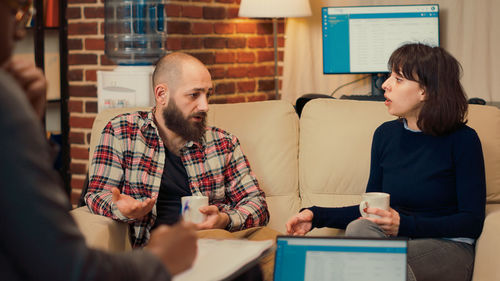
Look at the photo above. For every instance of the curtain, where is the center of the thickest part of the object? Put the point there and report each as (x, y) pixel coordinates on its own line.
(468, 30)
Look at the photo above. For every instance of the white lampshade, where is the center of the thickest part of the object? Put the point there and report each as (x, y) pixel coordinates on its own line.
(274, 8)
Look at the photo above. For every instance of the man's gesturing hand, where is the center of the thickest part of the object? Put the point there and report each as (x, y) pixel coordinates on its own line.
(130, 207)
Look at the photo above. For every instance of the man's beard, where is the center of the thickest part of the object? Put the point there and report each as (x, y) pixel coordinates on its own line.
(175, 121)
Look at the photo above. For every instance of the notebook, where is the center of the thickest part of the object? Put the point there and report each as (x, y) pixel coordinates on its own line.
(224, 259)
(340, 258)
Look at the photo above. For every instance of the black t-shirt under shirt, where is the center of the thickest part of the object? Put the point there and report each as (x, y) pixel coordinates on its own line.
(174, 184)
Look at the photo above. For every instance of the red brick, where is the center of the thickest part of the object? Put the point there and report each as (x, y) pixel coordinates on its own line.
(217, 72)
(94, 44)
(224, 88)
(235, 99)
(214, 13)
(201, 28)
(82, 28)
(77, 184)
(74, 196)
(73, 13)
(225, 1)
(78, 168)
(245, 57)
(173, 43)
(259, 97)
(78, 59)
(260, 71)
(76, 138)
(81, 122)
(94, 12)
(191, 43)
(265, 56)
(83, 91)
(192, 12)
(224, 57)
(101, 28)
(79, 153)
(224, 28)
(91, 75)
(91, 106)
(75, 44)
(257, 42)
(173, 10)
(246, 27)
(246, 86)
(206, 58)
(215, 42)
(237, 72)
(75, 75)
(266, 85)
(178, 27)
(232, 13)
(75, 106)
(238, 42)
(265, 28)
(106, 61)
(270, 41)
(281, 26)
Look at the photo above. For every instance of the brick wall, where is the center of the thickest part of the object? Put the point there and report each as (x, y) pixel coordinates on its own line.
(238, 52)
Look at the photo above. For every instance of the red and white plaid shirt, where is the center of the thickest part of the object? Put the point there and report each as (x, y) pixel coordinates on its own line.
(131, 156)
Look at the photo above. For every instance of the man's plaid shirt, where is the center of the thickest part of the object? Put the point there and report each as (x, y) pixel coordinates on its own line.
(131, 156)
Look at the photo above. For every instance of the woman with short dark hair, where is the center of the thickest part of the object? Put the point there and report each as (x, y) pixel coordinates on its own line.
(430, 163)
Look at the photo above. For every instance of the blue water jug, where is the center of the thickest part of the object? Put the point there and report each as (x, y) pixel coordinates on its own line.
(134, 31)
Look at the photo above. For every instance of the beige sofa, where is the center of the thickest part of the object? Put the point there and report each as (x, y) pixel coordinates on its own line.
(321, 159)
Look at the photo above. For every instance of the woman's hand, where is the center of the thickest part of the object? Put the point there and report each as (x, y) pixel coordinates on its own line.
(301, 223)
(388, 221)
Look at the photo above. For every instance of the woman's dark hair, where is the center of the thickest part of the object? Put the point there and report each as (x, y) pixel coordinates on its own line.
(438, 74)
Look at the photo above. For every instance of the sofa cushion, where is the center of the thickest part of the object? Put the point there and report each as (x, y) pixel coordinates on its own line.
(334, 153)
(486, 121)
(268, 132)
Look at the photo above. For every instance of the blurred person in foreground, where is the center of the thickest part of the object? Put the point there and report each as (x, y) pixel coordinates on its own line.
(40, 240)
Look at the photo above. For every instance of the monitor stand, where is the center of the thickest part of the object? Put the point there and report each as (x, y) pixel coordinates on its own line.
(377, 80)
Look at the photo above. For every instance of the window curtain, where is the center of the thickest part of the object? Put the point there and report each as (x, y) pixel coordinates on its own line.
(469, 30)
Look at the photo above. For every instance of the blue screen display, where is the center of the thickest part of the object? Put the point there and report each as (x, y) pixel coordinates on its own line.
(361, 39)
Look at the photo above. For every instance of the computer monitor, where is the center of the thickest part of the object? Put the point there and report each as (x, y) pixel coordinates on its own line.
(360, 39)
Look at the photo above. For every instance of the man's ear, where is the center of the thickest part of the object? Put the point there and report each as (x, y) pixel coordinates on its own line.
(161, 94)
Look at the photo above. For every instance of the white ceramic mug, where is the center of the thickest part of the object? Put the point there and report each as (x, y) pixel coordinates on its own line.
(374, 200)
(190, 206)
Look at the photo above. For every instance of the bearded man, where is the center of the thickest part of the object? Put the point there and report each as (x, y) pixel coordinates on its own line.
(146, 161)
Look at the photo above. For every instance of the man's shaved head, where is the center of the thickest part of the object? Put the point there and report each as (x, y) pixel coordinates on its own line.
(170, 67)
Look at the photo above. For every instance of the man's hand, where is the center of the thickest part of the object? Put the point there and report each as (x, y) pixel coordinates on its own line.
(31, 80)
(130, 207)
(215, 219)
(388, 221)
(175, 246)
(301, 223)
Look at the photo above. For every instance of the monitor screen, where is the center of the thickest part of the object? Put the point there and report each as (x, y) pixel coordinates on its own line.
(361, 39)
(339, 258)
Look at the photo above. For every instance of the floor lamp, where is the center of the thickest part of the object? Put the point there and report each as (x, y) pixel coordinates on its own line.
(274, 9)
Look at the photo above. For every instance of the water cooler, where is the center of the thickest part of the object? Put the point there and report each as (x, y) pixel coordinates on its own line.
(135, 32)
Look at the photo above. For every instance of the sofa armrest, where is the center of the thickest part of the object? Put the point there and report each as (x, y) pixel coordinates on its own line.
(102, 232)
(486, 266)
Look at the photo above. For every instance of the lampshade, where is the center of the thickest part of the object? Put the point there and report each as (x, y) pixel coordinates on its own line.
(274, 8)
